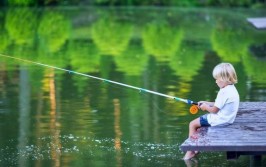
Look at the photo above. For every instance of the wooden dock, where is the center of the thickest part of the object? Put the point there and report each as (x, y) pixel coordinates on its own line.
(246, 136)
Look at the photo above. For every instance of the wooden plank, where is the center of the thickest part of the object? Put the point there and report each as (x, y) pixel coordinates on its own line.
(246, 134)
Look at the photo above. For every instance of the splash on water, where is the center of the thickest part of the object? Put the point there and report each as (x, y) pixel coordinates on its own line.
(49, 147)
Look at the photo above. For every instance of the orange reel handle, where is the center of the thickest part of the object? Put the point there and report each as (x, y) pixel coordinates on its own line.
(194, 109)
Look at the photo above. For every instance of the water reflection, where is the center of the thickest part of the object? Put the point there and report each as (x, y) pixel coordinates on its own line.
(161, 40)
(61, 119)
(24, 114)
(118, 133)
(111, 36)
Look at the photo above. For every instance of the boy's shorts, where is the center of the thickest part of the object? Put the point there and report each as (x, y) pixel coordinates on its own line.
(204, 120)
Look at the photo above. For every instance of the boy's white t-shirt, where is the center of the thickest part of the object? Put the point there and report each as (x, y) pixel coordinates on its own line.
(227, 101)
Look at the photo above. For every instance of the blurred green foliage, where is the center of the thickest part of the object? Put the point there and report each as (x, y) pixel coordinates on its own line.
(21, 2)
(5, 41)
(253, 68)
(177, 3)
(21, 25)
(161, 40)
(84, 56)
(178, 50)
(108, 41)
(127, 61)
(187, 62)
(230, 40)
(53, 31)
(111, 37)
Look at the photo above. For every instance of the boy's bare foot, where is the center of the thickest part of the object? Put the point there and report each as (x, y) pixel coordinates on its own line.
(191, 162)
(194, 137)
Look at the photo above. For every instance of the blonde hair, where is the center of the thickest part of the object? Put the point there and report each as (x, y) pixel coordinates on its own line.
(225, 72)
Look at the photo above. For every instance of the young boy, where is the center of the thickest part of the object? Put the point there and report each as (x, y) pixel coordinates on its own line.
(224, 109)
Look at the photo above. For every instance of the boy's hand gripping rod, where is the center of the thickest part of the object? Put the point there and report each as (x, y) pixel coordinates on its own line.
(193, 108)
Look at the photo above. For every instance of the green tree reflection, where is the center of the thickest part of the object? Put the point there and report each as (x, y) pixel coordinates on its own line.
(229, 39)
(138, 111)
(21, 25)
(59, 59)
(161, 40)
(132, 61)
(5, 41)
(186, 64)
(188, 60)
(84, 56)
(53, 31)
(176, 108)
(110, 36)
(254, 68)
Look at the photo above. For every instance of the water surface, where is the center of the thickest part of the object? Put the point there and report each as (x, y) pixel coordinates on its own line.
(49, 117)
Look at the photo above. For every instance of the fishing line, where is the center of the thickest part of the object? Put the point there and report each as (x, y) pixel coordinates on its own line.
(193, 109)
(155, 105)
(142, 95)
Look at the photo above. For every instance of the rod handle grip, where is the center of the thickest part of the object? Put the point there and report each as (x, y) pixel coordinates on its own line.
(195, 103)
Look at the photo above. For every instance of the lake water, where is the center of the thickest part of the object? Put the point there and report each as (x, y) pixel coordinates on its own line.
(50, 117)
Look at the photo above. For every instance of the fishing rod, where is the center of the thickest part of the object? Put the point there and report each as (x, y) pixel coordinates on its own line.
(193, 108)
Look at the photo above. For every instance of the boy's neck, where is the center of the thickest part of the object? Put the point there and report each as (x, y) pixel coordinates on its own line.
(226, 85)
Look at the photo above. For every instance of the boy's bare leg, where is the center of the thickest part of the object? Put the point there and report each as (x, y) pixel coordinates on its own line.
(189, 155)
(193, 126)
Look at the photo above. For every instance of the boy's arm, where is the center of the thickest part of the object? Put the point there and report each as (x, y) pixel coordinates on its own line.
(207, 102)
(209, 106)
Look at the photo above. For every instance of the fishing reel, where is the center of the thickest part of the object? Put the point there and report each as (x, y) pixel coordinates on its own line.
(193, 109)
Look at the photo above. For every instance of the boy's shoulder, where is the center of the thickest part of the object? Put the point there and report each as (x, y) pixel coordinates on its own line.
(229, 90)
